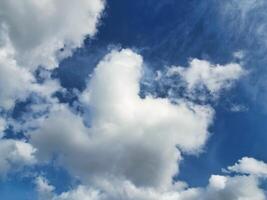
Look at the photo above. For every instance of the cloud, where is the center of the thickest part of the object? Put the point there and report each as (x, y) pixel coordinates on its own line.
(122, 190)
(14, 155)
(14, 81)
(201, 73)
(232, 188)
(129, 138)
(131, 149)
(219, 188)
(40, 30)
(38, 33)
(17, 83)
(251, 166)
(45, 191)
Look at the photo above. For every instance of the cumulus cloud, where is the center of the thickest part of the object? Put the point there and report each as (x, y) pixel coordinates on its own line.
(219, 188)
(201, 73)
(42, 34)
(37, 33)
(251, 166)
(122, 190)
(45, 191)
(129, 138)
(14, 155)
(233, 188)
(14, 81)
(132, 147)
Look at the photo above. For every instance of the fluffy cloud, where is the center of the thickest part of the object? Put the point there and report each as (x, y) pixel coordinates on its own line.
(219, 188)
(233, 188)
(201, 73)
(14, 155)
(41, 33)
(251, 166)
(131, 148)
(130, 138)
(120, 190)
(46, 192)
(14, 81)
(37, 33)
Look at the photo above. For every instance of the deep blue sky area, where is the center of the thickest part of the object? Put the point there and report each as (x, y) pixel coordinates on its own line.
(170, 32)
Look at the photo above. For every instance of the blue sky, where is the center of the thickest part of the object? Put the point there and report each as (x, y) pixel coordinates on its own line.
(164, 33)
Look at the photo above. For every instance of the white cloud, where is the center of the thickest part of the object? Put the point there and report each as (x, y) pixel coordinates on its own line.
(219, 188)
(130, 138)
(14, 81)
(201, 73)
(133, 146)
(233, 188)
(120, 190)
(39, 29)
(217, 182)
(81, 193)
(45, 191)
(129, 150)
(14, 155)
(251, 166)
(34, 33)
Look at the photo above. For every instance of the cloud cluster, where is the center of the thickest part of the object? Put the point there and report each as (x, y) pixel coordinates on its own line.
(233, 188)
(43, 32)
(219, 188)
(132, 147)
(248, 165)
(12, 87)
(201, 73)
(39, 33)
(14, 155)
(129, 137)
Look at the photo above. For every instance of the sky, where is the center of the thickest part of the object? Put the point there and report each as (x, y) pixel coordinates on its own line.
(133, 100)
